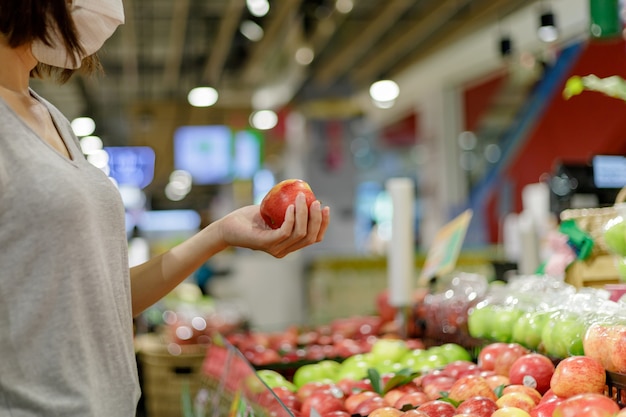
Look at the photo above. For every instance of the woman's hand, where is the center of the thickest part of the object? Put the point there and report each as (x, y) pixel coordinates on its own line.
(302, 227)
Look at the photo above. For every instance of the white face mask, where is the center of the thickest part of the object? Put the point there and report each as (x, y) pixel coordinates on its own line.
(95, 22)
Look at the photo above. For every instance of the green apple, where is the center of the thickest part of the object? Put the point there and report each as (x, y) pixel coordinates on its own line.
(615, 235)
(412, 357)
(388, 350)
(433, 359)
(454, 352)
(528, 329)
(311, 372)
(354, 367)
(387, 366)
(571, 331)
(271, 378)
(329, 367)
(562, 335)
(503, 320)
(479, 321)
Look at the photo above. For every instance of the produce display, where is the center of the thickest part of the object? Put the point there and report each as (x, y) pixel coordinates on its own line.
(507, 380)
(547, 351)
(300, 345)
(533, 347)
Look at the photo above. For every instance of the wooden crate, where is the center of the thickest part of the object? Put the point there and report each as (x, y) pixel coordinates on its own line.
(596, 271)
(165, 375)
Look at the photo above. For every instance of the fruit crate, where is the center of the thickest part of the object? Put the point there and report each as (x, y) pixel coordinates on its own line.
(597, 271)
(616, 385)
(166, 376)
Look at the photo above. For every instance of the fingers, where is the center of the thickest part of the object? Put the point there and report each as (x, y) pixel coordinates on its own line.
(310, 227)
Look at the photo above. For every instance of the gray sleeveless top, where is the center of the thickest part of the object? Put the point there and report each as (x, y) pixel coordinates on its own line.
(66, 341)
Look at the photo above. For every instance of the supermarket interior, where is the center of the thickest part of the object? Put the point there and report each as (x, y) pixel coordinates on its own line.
(472, 154)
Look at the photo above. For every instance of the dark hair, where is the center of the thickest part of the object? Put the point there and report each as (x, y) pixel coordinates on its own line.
(25, 21)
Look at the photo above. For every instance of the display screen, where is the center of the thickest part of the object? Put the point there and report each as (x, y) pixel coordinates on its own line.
(609, 171)
(205, 152)
(131, 165)
(248, 151)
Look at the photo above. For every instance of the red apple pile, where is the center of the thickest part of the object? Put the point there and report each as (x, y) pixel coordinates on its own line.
(524, 384)
(339, 339)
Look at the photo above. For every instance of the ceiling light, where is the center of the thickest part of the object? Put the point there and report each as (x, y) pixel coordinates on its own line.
(258, 8)
(203, 96)
(83, 126)
(548, 31)
(304, 55)
(90, 144)
(344, 6)
(264, 119)
(384, 93)
(251, 30)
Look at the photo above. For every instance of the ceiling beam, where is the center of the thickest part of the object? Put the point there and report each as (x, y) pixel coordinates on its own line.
(276, 23)
(223, 43)
(394, 50)
(489, 11)
(357, 46)
(130, 63)
(176, 46)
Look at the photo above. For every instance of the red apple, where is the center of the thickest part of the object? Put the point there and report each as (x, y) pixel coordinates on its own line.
(437, 408)
(385, 412)
(309, 388)
(282, 195)
(488, 354)
(588, 405)
(578, 375)
(510, 412)
(545, 409)
(496, 381)
(369, 405)
(414, 413)
(617, 343)
(415, 399)
(394, 394)
(597, 343)
(507, 357)
(471, 386)
(531, 392)
(354, 400)
(534, 370)
(289, 398)
(435, 385)
(479, 406)
(351, 386)
(336, 413)
(322, 402)
(460, 368)
(516, 399)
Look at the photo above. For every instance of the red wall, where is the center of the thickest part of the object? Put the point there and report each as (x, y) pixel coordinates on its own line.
(571, 130)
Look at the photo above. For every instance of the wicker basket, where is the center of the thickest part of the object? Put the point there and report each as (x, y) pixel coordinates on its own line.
(599, 268)
(166, 375)
(593, 220)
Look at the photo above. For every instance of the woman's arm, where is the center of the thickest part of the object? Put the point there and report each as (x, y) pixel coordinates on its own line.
(244, 228)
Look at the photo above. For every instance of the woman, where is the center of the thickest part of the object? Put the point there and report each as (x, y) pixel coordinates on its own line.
(67, 296)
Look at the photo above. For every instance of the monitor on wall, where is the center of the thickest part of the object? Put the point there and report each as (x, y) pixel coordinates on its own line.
(206, 152)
